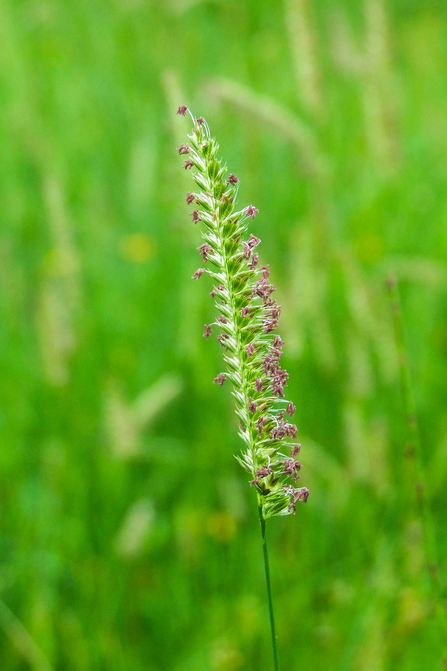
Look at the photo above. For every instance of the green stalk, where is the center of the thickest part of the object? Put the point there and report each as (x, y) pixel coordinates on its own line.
(417, 474)
(269, 589)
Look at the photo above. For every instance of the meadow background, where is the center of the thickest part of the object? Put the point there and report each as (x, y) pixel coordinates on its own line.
(129, 537)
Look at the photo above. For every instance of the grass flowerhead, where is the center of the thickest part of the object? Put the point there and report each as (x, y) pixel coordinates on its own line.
(247, 319)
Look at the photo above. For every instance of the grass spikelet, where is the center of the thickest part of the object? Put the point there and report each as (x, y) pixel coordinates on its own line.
(247, 318)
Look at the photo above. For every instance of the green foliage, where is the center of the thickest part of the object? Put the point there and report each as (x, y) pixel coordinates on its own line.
(129, 540)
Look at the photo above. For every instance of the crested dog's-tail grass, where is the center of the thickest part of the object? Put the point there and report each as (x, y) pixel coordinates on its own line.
(247, 319)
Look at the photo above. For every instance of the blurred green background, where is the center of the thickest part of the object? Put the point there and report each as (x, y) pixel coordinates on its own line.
(129, 535)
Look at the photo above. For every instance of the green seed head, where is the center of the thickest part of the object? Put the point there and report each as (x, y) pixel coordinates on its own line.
(247, 319)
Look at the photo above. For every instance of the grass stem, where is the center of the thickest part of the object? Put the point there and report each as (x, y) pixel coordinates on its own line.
(22, 639)
(269, 589)
(416, 470)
